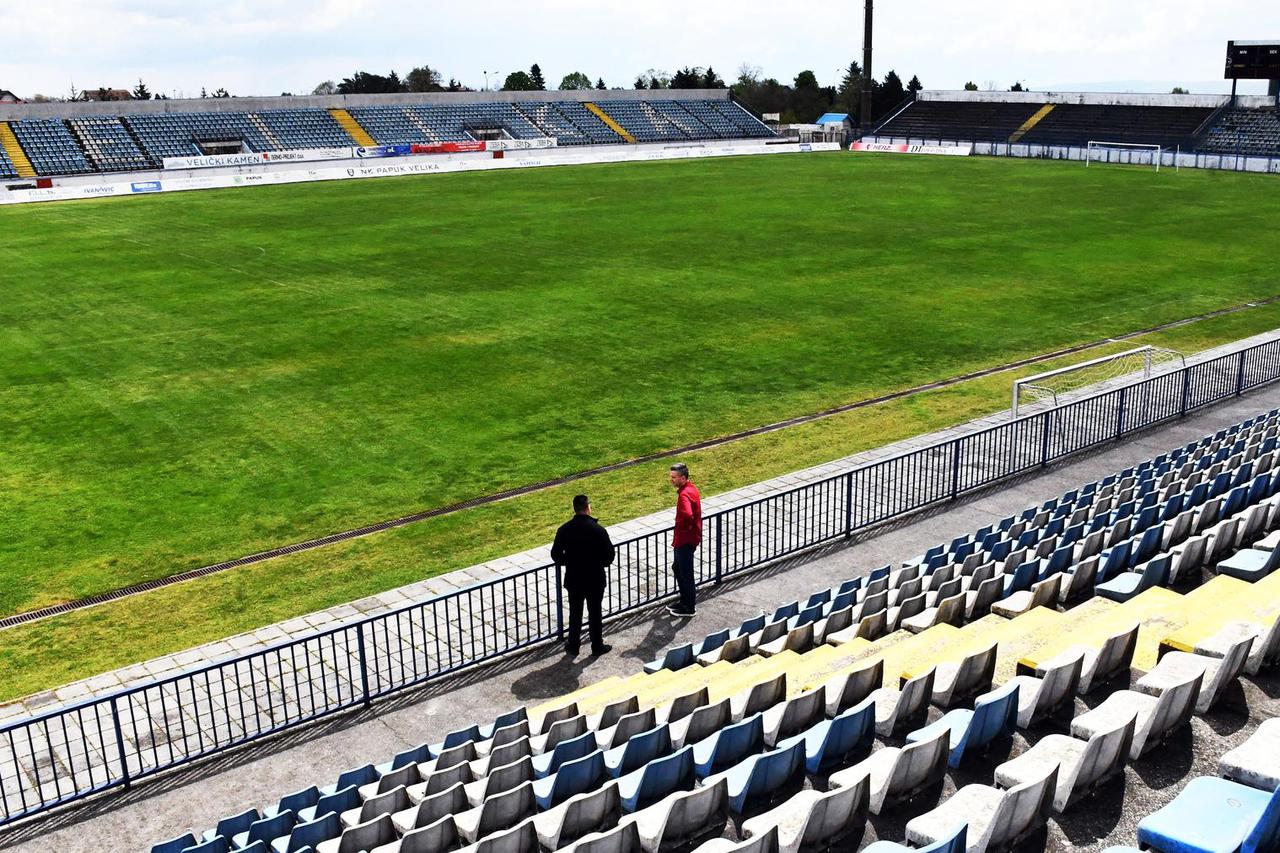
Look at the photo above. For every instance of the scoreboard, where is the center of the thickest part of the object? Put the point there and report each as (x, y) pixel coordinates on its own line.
(1253, 60)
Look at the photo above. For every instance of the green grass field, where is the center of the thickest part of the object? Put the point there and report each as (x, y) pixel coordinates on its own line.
(191, 378)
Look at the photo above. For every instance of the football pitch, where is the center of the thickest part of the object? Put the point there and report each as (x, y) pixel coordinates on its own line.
(191, 378)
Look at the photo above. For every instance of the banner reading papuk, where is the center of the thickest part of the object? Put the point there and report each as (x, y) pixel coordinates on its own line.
(894, 148)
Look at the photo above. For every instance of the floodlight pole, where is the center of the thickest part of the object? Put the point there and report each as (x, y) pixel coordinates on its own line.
(866, 71)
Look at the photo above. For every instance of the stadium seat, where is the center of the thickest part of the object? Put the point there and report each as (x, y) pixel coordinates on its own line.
(266, 830)
(761, 777)
(766, 843)
(955, 683)
(953, 843)
(793, 716)
(830, 743)
(229, 827)
(1256, 762)
(895, 775)
(993, 717)
(496, 812)
(813, 819)
(682, 817)
(577, 816)
(1156, 718)
(573, 777)
(1082, 765)
(309, 834)
(851, 688)
(1100, 664)
(432, 808)
(657, 779)
(623, 838)
(566, 750)
(175, 845)
(638, 751)
(1040, 697)
(701, 724)
(1212, 814)
(1215, 673)
(899, 711)
(728, 746)
(997, 818)
(392, 802)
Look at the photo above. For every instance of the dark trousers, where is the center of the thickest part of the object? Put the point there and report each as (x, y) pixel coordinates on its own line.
(593, 598)
(682, 565)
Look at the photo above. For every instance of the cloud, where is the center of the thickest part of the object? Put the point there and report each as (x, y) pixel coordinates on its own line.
(269, 46)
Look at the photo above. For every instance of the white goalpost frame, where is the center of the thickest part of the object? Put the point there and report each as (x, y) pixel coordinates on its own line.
(1123, 146)
(1147, 352)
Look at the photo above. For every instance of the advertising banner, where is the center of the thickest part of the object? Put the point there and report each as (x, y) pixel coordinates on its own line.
(252, 158)
(408, 166)
(372, 151)
(945, 150)
(446, 147)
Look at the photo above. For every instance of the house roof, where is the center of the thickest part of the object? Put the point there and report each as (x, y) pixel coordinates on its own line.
(832, 118)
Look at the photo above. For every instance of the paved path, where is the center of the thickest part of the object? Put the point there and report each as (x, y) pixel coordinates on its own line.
(197, 796)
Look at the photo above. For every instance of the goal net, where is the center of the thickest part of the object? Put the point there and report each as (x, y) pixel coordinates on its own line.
(1126, 153)
(1140, 363)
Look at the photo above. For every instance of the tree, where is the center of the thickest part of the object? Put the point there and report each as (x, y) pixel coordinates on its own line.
(325, 88)
(455, 86)
(575, 80)
(518, 81)
(141, 92)
(915, 86)
(687, 78)
(887, 95)
(653, 79)
(424, 78)
(600, 84)
(971, 86)
(535, 74)
(220, 93)
(806, 80)
(849, 92)
(1017, 87)
(711, 80)
(364, 83)
(203, 93)
(1178, 90)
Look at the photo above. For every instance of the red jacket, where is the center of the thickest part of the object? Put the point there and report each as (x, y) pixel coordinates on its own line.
(688, 517)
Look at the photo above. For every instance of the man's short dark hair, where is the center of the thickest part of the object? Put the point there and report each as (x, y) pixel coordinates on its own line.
(580, 503)
(681, 469)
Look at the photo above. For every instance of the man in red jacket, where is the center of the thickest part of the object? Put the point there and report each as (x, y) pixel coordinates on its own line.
(686, 539)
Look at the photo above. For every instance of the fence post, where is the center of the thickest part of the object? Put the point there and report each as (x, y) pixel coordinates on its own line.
(719, 547)
(364, 664)
(124, 762)
(848, 505)
(559, 602)
(1186, 389)
(1045, 417)
(1240, 375)
(955, 468)
(1120, 412)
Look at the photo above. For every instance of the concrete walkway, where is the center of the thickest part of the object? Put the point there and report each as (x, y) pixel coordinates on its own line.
(196, 797)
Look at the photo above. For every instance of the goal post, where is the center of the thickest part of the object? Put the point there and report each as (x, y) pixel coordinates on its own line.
(1124, 153)
(1144, 361)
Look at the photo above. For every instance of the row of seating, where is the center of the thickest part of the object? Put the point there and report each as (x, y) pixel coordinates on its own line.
(134, 142)
(1242, 131)
(667, 753)
(1064, 124)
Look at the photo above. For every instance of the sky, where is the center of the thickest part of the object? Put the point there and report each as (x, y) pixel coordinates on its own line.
(266, 47)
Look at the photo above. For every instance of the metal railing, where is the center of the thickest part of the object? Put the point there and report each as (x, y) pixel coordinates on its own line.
(116, 740)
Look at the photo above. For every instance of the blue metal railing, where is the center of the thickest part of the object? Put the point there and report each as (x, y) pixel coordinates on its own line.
(116, 740)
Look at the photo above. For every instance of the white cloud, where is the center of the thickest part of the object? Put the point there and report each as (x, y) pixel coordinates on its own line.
(268, 46)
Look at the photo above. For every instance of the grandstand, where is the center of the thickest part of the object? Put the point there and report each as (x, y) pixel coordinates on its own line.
(1123, 612)
(74, 139)
(1192, 123)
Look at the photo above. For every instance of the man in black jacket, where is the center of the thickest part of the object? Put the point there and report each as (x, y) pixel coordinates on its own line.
(583, 547)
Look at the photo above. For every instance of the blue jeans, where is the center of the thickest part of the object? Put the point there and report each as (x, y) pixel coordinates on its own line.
(683, 568)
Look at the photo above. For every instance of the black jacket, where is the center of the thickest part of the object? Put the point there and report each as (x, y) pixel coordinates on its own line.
(583, 547)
